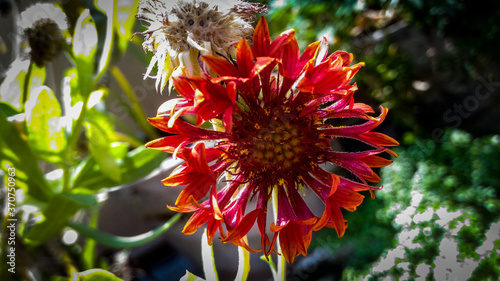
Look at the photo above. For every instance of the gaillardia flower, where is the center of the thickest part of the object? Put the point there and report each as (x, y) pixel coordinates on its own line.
(178, 33)
(274, 113)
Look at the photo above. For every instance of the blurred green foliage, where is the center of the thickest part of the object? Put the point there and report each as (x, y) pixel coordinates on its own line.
(432, 192)
(447, 191)
(60, 147)
(421, 56)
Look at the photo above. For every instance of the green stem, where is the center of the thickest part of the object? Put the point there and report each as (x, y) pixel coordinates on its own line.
(26, 85)
(66, 176)
(136, 107)
(119, 241)
(281, 271)
(69, 51)
(72, 142)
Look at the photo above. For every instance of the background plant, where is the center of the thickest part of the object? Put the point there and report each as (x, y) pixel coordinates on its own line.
(67, 148)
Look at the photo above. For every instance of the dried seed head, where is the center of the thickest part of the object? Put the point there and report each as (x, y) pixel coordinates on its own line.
(178, 34)
(41, 27)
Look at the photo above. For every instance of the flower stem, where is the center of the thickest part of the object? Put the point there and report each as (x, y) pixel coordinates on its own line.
(26, 85)
(243, 263)
(207, 255)
(123, 242)
(73, 141)
(137, 110)
(281, 272)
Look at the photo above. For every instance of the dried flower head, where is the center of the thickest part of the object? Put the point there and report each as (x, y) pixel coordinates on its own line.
(178, 34)
(41, 26)
(275, 114)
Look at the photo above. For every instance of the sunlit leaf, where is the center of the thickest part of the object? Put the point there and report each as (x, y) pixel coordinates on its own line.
(124, 25)
(71, 92)
(190, 277)
(84, 47)
(119, 150)
(57, 213)
(139, 163)
(13, 86)
(96, 97)
(95, 275)
(16, 153)
(44, 126)
(100, 148)
(109, 8)
(85, 38)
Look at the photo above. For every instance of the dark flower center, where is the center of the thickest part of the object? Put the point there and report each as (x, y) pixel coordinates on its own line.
(273, 145)
(276, 145)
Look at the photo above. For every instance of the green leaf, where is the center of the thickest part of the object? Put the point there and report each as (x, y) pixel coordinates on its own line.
(95, 275)
(7, 109)
(190, 277)
(139, 163)
(89, 253)
(85, 37)
(12, 88)
(71, 93)
(44, 124)
(16, 153)
(100, 148)
(109, 8)
(84, 47)
(120, 149)
(124, 23)
(123, 242)
(57, 214)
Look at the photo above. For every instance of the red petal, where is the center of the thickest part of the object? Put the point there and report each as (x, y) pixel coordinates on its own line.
(294, 240)
(379, 139)
(290, 56)
(183, 87)
(261, 38)
(280, 41)
(244, 58)
(261, 64)
(337, 220)
(375, 161)
(197, 219)
(221, 66)
(168, 144)
(199, 159)
(243, 227)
